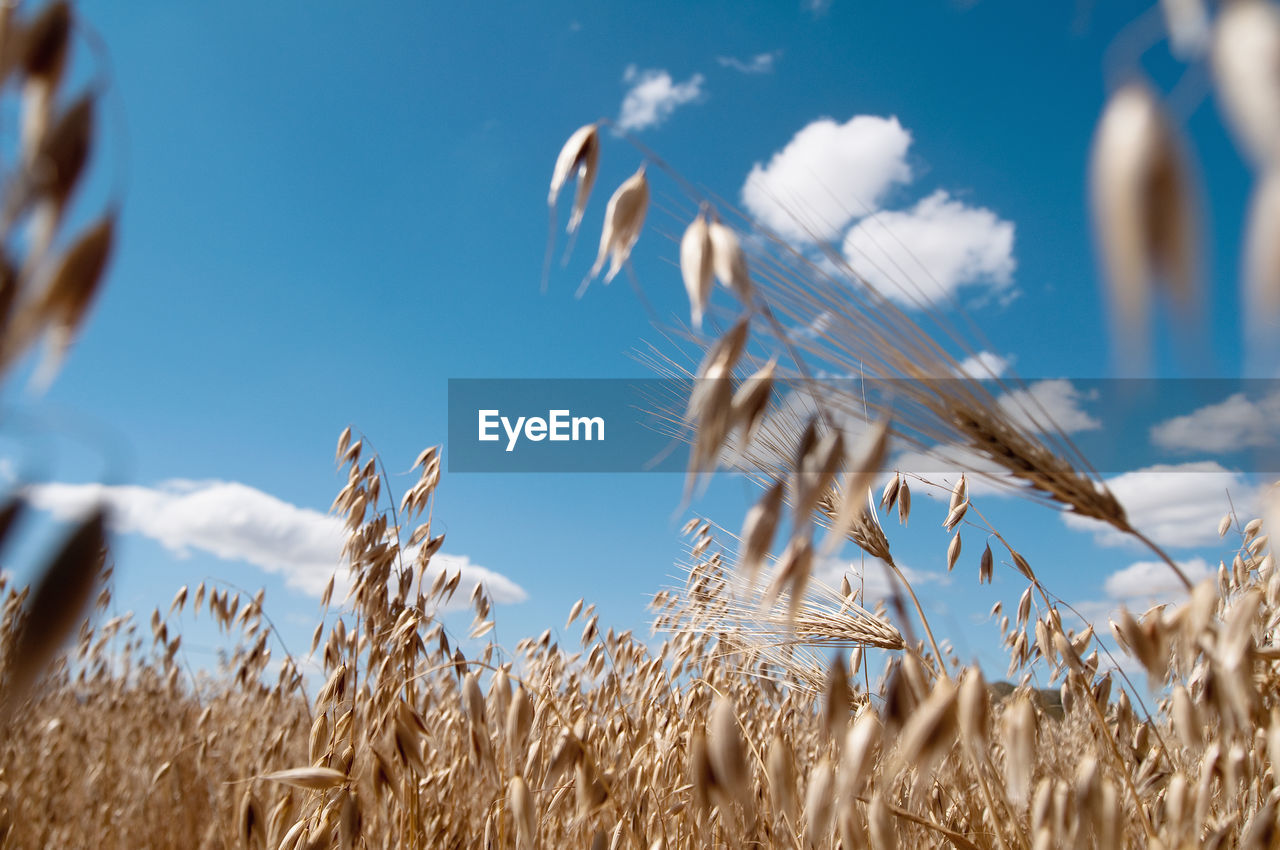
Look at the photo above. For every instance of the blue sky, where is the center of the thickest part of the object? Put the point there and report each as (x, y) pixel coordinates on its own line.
(330, 209)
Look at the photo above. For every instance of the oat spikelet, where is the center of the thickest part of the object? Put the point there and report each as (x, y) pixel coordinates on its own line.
(792, 574)
(959, 493)
(861, 746)
(1142, 206)
(56, 606)
(1188, 24)
(759, 528)
(714, 419)
(953, 552)
(43, 49)
(179, 600)
(930, 730)
(44, 44)
(318, 740)
(838, 700)
(975, 710)
(57, 167)
(568, 753)
(1262, 832)
(66, 299)
(1019, 739)
(473, 700)
(308, 778)
(855, 491)
(623, 219)
(1246, 68)
(344, 442)
(729, 261)
(728, 752)
(580, 158)
(519, 719)
(781, 772)
(522, 811)
(249, 820)
(880, 823)
(696, 267)
(819, 804)
(889, 496)
(751, 401)
(349, 821)
(817, 462)
(1262, 262)
(574, 611)
(702, 777)
(710, 408)
(76, 279)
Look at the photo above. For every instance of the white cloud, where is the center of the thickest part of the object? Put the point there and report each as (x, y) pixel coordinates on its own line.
(984, 366)
(238, 523)
(653, 96)
(1230, 425)
(931, 250)
(828, 175)
(1045, 404)
(1141, 586)
(761, 63)
(227, 519)
(1175, 504)
(1148, 583)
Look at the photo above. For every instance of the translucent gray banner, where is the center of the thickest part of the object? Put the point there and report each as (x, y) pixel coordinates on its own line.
(638, 425)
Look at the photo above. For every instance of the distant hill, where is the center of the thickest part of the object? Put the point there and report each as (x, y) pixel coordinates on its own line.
(1048, 699)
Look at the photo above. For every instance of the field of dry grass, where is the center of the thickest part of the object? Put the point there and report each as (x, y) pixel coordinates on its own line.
(754, 716)
(731, 731)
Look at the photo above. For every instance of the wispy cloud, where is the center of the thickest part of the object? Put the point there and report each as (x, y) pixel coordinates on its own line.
(828, 175)
(932, 249)
(237, 522)
(653, 96)
(761, 63)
